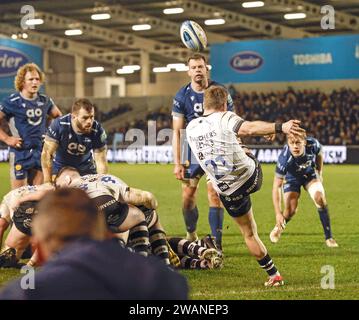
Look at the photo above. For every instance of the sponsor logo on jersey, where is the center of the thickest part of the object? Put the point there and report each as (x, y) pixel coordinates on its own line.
(18, 167)
(103, 136)
(246, 61)
(10, 60)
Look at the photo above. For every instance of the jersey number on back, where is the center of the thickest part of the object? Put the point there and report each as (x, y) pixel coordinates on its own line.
(212, 166)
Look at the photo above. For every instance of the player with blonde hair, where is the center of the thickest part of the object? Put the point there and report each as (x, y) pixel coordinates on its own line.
(300, 164)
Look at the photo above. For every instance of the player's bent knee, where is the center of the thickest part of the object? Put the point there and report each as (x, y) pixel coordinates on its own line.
(319, 200)
(316, 192)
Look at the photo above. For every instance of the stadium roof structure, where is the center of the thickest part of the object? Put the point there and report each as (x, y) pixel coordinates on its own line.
(114, 42)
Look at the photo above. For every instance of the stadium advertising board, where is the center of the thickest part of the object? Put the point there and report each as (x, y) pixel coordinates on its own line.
(14, 54)
(319, 58)
(163, 154)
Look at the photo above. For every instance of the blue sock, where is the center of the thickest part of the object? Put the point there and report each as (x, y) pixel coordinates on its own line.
(190, 218)
(215, 218)
(325, 220)
(267, 264)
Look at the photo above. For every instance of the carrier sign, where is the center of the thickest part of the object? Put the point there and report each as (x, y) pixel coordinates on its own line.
(10, 60)
(246, 61)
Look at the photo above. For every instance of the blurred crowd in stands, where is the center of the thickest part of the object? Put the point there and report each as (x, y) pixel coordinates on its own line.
(332, 118)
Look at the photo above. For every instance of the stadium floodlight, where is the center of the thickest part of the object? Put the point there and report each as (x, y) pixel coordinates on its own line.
(34, 22)
(124, 71)
(24, 35)
(161, 69)
(100, 16)
(95, 69)
(73, 32)
(178, 66)
(209, 67)
(133, 67)
(175, 65)
(173, 10)
(184, 68)
(141, 27)
(14, 36)
(253, 4)
(214, 22)
(293, 16)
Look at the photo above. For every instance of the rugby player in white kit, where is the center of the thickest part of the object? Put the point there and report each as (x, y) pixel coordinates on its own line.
(234, 172)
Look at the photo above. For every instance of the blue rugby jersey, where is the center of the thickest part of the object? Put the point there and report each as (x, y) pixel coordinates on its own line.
(27, 118)
(189, 103)
(290, 168)
(74, 149)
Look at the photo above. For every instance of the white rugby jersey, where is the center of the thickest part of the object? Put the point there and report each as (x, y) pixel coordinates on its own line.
(97, 185)
(10, 200)
(214, 142)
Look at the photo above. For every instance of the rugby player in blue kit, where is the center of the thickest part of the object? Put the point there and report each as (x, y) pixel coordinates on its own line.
(26, 113)
(70, 141)
(188, 105)
(300, 164)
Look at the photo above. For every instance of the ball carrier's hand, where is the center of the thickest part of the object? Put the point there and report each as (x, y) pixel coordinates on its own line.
(179, 171)
(292, 127)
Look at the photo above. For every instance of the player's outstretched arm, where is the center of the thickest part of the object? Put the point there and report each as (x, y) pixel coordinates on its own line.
(262, 128)
(277, 200)
(47, 155)
(178, 125)
(100, 156)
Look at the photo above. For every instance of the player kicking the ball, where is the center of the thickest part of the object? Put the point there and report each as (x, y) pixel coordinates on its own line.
(300, 164)
(234, 172)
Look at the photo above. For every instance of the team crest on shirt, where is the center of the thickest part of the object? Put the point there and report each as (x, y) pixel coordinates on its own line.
(27, 223)
(18, 167)
(103, 136)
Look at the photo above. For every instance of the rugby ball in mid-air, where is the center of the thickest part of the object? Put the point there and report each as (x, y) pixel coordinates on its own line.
(193, 36)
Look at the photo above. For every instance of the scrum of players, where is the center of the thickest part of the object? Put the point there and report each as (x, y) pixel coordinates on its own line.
(74, 155)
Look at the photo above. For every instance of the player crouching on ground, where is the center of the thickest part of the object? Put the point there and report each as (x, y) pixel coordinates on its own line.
(107, 191)
(300, 164)
(11, 211)
(234, 173)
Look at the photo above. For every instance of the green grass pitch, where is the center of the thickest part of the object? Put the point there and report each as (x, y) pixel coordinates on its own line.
(299, 255)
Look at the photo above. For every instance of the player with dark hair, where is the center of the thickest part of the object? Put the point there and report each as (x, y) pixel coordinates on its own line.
(234, 172)
(300, 164)
(70, 140)
(188, 105)
(12, 209)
